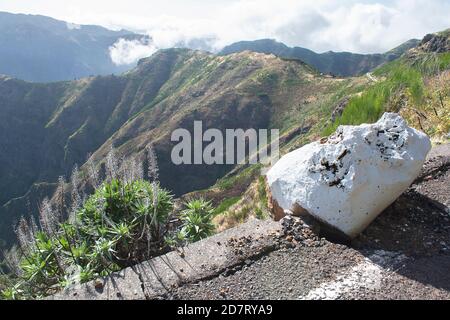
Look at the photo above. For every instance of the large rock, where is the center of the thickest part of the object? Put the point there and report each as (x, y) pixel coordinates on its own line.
(435, 43)
(348, 179)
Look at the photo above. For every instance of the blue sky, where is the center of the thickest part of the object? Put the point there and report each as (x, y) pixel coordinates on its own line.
(364, 26)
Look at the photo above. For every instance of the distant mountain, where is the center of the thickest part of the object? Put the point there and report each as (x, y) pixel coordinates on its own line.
(338, 63)
(41, 49)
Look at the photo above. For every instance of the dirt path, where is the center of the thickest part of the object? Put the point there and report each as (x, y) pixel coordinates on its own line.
(404, 254)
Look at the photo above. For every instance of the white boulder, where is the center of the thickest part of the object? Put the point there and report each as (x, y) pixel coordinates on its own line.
(348, 179)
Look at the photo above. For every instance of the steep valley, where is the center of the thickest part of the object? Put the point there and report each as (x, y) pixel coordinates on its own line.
(48, 128)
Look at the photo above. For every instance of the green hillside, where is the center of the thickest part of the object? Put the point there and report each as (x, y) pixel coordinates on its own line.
(48, 128)
(417, 85)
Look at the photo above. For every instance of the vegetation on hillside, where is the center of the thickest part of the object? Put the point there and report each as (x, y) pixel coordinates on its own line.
(127, 219)
(433, 115)
(417, 87)
(251, 202)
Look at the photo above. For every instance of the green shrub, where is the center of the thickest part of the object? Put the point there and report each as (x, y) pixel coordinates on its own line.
(404, 76)
(120, 225)
(370, 105)
(226, 204)
(120, 218)
(197, 220)
(5, 282)
(125, 221)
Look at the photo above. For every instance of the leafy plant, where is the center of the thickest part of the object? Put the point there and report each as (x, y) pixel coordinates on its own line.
(197, 220)
(119, 225)
(125, 221)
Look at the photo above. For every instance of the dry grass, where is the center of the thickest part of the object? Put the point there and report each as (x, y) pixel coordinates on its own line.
(253, 204)
(433, 115)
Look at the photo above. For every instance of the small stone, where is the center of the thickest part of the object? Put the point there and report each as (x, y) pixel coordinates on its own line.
(223, 292)
(98, 284)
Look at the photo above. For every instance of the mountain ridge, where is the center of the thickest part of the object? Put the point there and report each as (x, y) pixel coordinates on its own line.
(338, 63)
(42, 49)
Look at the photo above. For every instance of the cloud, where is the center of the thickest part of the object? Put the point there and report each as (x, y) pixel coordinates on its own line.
(364, 26)
(126, 52)
(377, 27)
(321, 25)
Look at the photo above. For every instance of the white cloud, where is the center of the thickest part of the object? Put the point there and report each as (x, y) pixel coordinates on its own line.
(125, 52)
(320, 25)
(345, 25)
(376, 27)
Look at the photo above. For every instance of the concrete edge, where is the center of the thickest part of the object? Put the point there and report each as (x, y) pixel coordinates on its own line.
(202, 260)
